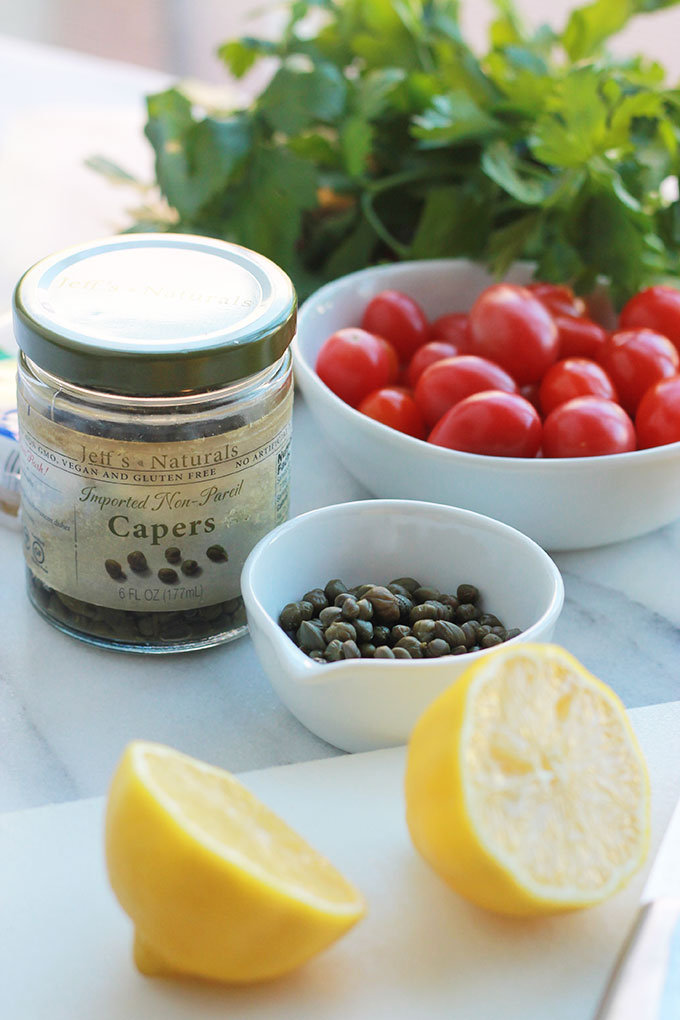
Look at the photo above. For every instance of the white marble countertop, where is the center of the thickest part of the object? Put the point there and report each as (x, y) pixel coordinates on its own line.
(67, 709)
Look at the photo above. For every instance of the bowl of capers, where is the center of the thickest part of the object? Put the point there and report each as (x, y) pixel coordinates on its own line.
(362, 613)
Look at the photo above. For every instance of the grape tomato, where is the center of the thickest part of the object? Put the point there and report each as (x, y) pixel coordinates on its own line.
(447, 382)
(657, 308)
(428, 354)
(573, 377)
(452, 328)
(398, 318)
(579, 337)
(492, 423)
(353, 362)
(587, 427)
(635, 359)
(395, 406)
(657, 421)
(558, 298)
(510, 326)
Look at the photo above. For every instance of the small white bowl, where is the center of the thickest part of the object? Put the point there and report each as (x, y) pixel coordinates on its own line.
(561, 504)
(363, 704)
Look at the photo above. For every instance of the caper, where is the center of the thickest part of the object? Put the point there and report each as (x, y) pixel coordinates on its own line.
(459, 650)
(341, 630)
(489, 640)
(449, 632)
(467, 593)
(385, 606)
(402, 653)
(334, 588)
(137, 561)
(318, 599)
(350, 650)
(329, 615)
(409, 583)
(365, 609)
(333, 651)
(317, 655)
(367, 649)
(217, 553)
(424, 630)
(309, 635)
(350, 608)
(290, 616)
(342, 597)
(381, 634)
(482, 631)
(399, 631)
(489, 620)
(190, 568)
(430, 610)
(173, 554)
(399, 589)
(364, 630)
(168, 576)
(436, 648)
(451, 601)
(307, 609)
(114, 570)
(467, 611)
(512, 633)
(425, 594)
(469, 629)
(383, 652)
(412, 645)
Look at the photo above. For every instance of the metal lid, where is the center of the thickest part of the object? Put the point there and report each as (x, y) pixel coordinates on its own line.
(154, 314)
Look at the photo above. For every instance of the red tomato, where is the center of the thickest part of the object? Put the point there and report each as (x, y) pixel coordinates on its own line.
(658, 308)
(657, 421)
(634, 359)
(573, 377)
(452, 328)
(399, 319)
(587, 427)
(580, 338)
(395, 406)
(353, 362)
(446, 382)
(558, 298)
(494, 423)
(510, 326)
(435, 350)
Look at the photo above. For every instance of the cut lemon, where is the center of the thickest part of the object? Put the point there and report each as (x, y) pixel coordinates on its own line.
(526, 789)
(216, 884)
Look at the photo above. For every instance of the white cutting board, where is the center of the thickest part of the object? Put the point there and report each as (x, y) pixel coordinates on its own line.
(422, 953)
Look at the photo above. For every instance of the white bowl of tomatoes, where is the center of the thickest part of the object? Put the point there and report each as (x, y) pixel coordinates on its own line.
(574, 457)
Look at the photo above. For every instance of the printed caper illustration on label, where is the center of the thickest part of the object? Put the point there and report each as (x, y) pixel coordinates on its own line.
(137, 562)
(168, 576)
(173, 554)
(114, 570)
(191, 568)
(217, 553)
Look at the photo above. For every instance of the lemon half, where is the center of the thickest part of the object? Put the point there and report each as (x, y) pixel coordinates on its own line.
(526, 789)
(216, 884)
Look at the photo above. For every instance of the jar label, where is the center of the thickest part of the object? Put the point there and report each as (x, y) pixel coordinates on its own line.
(150, 526)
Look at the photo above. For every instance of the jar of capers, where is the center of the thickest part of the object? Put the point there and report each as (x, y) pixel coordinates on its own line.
(155, 402)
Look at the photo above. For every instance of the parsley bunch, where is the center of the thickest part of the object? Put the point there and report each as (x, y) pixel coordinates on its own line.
(381, 135)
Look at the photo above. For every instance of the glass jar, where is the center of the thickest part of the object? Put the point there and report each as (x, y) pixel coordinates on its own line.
(155, 403)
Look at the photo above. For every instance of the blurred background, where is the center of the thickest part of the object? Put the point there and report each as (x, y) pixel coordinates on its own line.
(181, 36)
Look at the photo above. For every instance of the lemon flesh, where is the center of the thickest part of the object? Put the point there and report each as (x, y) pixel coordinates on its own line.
(526, 789)
(217, 885)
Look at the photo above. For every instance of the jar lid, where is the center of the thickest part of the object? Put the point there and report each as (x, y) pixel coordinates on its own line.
(154, 314)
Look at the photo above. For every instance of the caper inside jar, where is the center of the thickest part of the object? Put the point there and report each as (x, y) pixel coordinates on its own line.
(155, 401)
